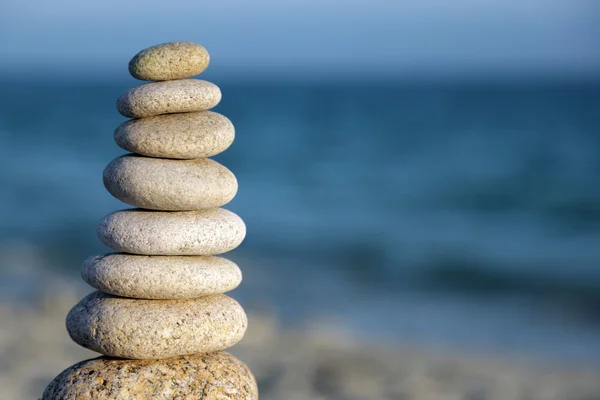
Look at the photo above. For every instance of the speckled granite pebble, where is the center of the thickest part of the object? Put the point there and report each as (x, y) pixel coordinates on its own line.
(215, 376)
(185, 135)
(167, 61)
(161, 277)
(187, 233)
(170, 185)
(187, 95)
(154, 329)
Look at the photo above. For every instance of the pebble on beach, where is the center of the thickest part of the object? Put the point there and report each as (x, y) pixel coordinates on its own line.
(182, 136)
(161, 277)
(169, 61)
(180, 233)
(169, 97)
(155, 329)
(170, 185)
(203, 376)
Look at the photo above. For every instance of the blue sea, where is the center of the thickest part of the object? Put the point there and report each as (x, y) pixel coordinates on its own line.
(446, 213)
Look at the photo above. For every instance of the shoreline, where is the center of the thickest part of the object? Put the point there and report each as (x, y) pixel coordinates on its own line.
(319, 360)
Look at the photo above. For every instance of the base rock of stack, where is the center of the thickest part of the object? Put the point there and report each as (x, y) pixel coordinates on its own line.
(181, 233)
(181, 136)
(155, 329)
(170, 185)
(161, 277)
(168, 97)
(216, 376)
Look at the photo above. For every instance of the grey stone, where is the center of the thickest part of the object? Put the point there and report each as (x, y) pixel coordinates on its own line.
(155, 329)
(167, 61)
(155, 98)
(185, 135)
(170, 185)
(161, 277)
(214, 376)
(188, 233)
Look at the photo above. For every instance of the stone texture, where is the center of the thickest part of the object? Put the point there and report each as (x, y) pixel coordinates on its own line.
(186, 233)
(155, 329)
(161, 277)
(187, 95)
(187, 135)
(215, 376)
(167, 61)
(171, 185)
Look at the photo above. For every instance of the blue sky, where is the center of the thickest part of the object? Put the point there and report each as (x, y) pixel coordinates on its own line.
(310, 37)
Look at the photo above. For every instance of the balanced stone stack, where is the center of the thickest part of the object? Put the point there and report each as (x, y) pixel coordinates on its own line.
(160, 317)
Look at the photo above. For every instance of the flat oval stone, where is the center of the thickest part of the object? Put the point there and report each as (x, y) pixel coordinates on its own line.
(174, 60)
(170, 185)
(203, 376)
(155, 329)
(161, 277)
(186, 95)
(182, 233)
(186, 135)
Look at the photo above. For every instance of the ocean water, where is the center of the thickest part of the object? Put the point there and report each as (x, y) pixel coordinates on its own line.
(462, 214)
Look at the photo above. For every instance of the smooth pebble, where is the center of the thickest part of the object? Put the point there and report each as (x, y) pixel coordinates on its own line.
(189, 233)
(169, 185)
(184, 136)
(214, 376)
(167, 61)
(156, 98)
(161, 277)
(155, 329)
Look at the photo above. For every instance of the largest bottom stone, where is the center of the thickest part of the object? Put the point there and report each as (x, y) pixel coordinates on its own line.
(204, 376)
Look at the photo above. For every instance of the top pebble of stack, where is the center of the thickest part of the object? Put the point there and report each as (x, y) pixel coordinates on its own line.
(169, 61)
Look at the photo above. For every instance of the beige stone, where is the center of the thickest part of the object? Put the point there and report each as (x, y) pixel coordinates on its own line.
(167, 61)
(186, 135)
(155, 329)
(214, 376)
(161, 277)
(170, 185)
(187, 233)
(155, 98)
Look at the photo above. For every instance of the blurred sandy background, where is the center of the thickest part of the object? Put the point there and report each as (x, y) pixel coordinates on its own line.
(420, 183)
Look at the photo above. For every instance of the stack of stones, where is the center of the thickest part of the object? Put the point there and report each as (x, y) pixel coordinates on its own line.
(160, 317)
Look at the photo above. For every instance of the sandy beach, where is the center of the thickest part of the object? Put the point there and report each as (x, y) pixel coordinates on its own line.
(317, 361)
